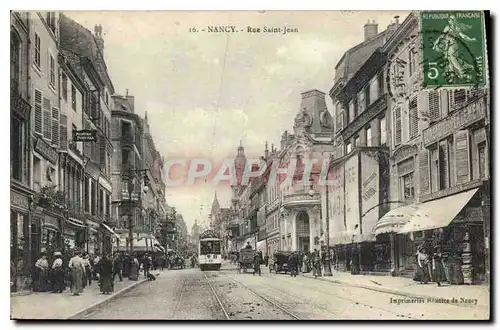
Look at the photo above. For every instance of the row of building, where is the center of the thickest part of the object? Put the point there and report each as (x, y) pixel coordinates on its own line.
(408, 164)
(84, 166)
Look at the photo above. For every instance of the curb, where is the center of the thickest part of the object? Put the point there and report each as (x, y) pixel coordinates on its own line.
(20, 293)
(87, 310)
(397, 292)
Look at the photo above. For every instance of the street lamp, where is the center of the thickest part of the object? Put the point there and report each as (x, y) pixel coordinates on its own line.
(327, 266)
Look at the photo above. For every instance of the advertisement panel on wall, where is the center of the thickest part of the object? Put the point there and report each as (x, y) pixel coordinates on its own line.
(352, 195)
(369, 191)
(336, 201)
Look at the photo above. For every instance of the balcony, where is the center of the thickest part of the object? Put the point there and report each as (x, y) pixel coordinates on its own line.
(299, 196)
(17, 103)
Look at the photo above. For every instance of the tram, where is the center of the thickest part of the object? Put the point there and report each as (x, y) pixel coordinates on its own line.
(209, 250)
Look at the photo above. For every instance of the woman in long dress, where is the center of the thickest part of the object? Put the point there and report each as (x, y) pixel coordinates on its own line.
(438, 273)
(77, 267)
(134, 269)
(106, 274)
(42, 267)
(422, 274)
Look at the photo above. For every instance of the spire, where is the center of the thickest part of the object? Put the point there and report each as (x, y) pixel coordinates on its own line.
(215, 204)
(241, 150)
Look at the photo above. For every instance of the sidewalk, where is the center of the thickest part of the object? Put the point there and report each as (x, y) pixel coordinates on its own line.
(46, 305)
(407, 287)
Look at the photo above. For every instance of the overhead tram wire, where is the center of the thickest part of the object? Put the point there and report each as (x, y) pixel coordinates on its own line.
(219, 95)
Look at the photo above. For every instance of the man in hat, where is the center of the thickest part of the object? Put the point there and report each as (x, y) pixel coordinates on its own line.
(58, 274)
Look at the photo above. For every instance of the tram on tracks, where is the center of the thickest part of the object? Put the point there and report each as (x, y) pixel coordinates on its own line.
(209, 250)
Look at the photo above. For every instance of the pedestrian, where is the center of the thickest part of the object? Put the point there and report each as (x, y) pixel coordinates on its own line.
(305, 262)
(438, 273)
(300, 262)
(58, 274)
(95, 260)
(42, 267)
(355, 262)
(77, 267)
(316, 263)
(146, 264)
(292, 264)
(13, 275)
(87, 277)
(134, 268)
(117, 267)
(422, 259)
(105, 267)
(256, 264)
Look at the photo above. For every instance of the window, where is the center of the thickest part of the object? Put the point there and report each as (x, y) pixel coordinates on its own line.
(348, 148)
(361, 102)
(397, 126)
(481, 149)
(52, 71)
(444, 175)
(456, 99)
(16, 148)
(73, 130)
(408, 187)
(367, 96)
(107, 98)
(413, 117)
(434, 169)
(15, 52)
(73, 97)
(383, 131)
(356, 141)
(369, 136)
(64, 85)
(51, 21)
(411, 60)
(380, 83)
(86, 192)
(434, 106)
(37, 59)
(354, 108)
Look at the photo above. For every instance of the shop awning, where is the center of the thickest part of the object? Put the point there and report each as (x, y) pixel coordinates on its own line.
(350, 238)
(108, 228)
(261, 246)
(395, 219)
(438, 213)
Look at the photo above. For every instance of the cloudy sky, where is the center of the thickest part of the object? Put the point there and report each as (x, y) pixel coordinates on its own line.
(204, 92)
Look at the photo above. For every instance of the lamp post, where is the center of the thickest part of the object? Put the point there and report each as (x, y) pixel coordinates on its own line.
(327, 266)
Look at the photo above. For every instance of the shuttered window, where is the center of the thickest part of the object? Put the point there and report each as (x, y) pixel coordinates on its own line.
(434, 106)
(63, 129)
(413, 117)
(434, 170)
(397, 126)
(37, 59)
(456, 99)
(361, 101)
(47, 119)
(55, 126)
(38, 113)
(383, 130)
(462, 164)
(52, 71)
(423, 163)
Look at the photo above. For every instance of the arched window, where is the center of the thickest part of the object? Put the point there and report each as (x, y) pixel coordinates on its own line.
(15, 54)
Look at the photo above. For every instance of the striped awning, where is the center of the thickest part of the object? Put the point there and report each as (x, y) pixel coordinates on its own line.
(395, 219)
(111, 231)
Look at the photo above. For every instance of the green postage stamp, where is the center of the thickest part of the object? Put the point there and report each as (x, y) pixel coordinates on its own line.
(453, 48)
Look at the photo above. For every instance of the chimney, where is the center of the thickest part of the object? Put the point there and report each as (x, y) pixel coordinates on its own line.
(98, 38)
(371, 29)
(393, 26)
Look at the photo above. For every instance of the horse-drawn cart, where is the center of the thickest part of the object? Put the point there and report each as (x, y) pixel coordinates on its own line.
(245, 260)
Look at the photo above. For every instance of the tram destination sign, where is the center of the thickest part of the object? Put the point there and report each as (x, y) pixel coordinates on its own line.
(88, 135)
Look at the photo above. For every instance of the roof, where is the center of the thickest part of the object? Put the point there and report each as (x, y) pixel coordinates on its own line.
(354, 57)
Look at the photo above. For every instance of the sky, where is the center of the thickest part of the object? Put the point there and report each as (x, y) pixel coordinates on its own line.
(205, 92)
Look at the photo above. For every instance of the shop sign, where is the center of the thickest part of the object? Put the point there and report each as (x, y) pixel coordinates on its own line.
(404, 152)
(44, 149)
(471, 113)
(19, 200)
(51, 221)
(88, 135)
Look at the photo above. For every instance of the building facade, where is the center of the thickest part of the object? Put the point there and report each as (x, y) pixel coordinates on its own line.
(21, 194)
(87, 54)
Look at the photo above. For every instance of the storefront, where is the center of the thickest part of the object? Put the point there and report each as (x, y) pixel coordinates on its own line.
(74, 234)
(20, 209)
(457, 223)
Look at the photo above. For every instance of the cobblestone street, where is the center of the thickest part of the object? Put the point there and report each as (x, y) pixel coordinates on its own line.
(187, 294)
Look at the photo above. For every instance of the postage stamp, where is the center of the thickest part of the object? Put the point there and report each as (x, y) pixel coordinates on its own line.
(453, 48)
